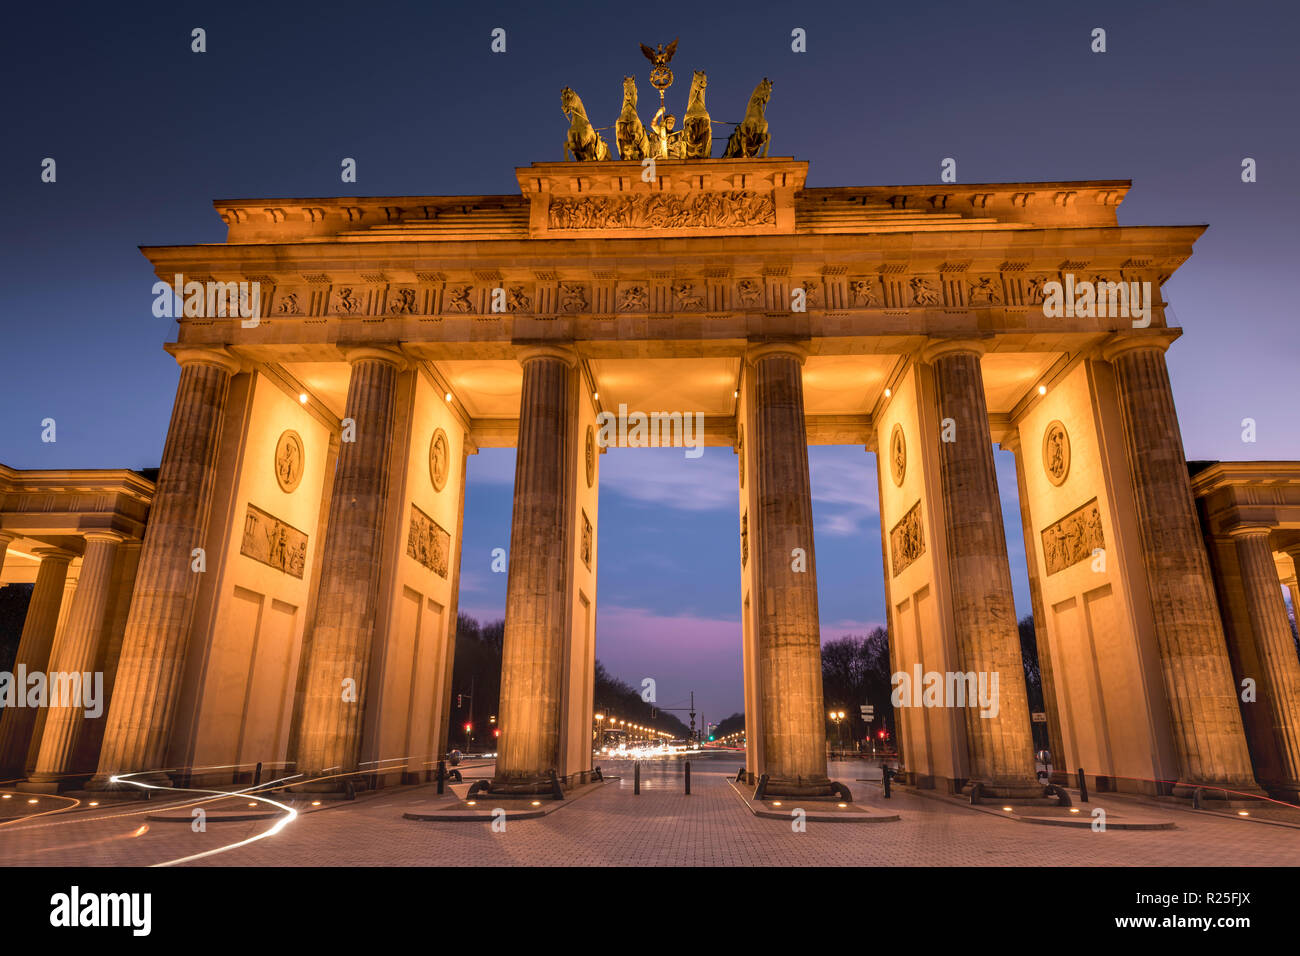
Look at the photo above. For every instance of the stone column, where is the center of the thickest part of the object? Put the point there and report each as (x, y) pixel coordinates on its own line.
(1055, 742)
(17, 722)
(785, 599)
(532, 678)
(1277, 653)
(1206, 721)
(75, 652)
(1001, 748)
(157, 634)
(329, 734)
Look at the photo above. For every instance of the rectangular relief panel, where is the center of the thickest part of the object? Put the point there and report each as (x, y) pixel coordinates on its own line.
(906, 540)
(1073, 538)
(273, 542)
(428, 543)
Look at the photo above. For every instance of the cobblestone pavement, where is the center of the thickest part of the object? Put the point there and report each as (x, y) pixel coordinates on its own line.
(662, 826)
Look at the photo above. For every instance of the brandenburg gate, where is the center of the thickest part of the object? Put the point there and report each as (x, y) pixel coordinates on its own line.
(296, 592)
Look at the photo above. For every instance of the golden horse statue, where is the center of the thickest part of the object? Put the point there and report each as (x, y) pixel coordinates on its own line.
(583, 141)
(750, 138)
(697, 128)
(633, 143)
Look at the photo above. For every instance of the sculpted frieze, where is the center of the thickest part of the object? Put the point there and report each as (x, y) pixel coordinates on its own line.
(705, 210)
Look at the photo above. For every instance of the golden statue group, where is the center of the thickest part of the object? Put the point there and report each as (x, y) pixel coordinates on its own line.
(693, 141)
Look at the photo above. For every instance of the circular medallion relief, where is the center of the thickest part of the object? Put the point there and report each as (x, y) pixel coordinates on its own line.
(1056, 453)
(439, 460)
(288, 461)
(897, 455)
(591, 456)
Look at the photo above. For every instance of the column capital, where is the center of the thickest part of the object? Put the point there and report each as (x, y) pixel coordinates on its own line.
(375, 353)
(207, 355)
(763, 350)
(936, 348)
(1011, 441)
(49, 552)
(1121, 342)
(103, 534)
(564, 353)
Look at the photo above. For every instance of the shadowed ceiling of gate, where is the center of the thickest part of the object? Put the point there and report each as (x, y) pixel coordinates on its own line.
(833, 384)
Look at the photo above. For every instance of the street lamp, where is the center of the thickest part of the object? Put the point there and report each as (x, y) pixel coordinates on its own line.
(600, 731)
(837, 716)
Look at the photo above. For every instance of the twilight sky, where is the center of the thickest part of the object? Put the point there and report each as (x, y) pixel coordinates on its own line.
(146, 134)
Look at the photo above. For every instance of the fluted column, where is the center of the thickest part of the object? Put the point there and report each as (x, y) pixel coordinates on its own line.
(329, 734)
(1000, 748)
(532, 656)
(789, 631)
(1277, 653)
(18, 722)
(75, 652)
(1206, 721)
(157, 628)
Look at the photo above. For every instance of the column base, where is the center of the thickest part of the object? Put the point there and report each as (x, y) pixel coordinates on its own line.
(51, 784)
(782, 786)
(1012, 790)
(1184, 789)
(525, 785)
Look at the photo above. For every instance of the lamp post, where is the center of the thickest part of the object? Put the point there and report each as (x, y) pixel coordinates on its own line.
(837, 716)
(600, 731)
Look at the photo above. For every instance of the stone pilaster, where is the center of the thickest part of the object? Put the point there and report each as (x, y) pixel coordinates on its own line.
(1000, 748)
(785, 596)
(75, 651)
(1206, 721)
(157, 629)
(536, 588)
(1055, 742)
(17, 723)
(1277, 654)
(6, 539)
(329, 734)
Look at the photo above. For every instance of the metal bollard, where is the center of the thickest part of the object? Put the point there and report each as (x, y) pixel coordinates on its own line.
(636, 778)
(688, 778)
(442, 774)
(887, 774)
(257, 774)
(1083, 787)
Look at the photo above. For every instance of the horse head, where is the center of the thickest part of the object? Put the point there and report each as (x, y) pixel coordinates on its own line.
(629, 90)
(698, 83)
(762, 92)
(570, 103)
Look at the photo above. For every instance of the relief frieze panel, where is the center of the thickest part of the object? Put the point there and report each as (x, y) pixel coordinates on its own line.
(273, 542)
(709, 210)
(428, 543)
(1073, 539)
(906, 540)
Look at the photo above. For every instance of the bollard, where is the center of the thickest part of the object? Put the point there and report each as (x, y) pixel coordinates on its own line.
(1083, 787)
(887, 775)
(636, 778)
(688, 778)
(442, 774)
(257, 774)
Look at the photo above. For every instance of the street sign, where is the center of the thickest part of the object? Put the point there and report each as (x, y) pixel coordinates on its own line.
(868, 711)
(1038, 717)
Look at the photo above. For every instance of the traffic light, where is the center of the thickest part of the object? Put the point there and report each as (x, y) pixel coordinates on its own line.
(468, 728)
(496, 732)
